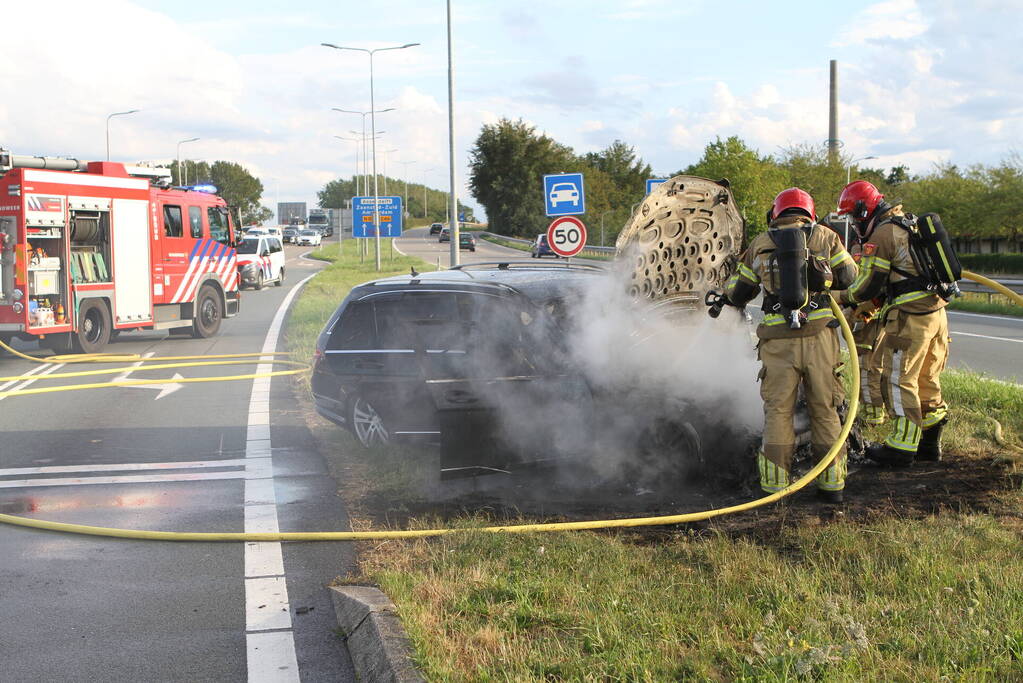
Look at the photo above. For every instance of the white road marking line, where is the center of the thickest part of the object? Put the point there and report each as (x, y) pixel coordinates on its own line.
(265, 653)
(122, 479)
(984, 336)
(270, 656)
(1003, 318)
(266, 604)
(36, 369)
(126, 467)
(47, 369)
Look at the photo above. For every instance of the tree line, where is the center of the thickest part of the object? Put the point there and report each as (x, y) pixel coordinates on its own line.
(510, 158)
(424, 204)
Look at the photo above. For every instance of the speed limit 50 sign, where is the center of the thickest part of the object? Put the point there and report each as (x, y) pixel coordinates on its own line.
(566, 236)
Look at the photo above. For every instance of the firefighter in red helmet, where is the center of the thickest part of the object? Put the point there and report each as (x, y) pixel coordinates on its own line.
(914, 347)
(795, 262)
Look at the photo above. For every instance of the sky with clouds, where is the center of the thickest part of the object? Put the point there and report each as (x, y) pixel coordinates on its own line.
(921, 81)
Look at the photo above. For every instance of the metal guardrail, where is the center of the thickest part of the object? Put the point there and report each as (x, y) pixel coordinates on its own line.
(975, 287)
(586, 250)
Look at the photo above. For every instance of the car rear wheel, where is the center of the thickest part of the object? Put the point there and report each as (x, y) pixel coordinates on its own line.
(280, 278)
(367, 425)
(259, 281)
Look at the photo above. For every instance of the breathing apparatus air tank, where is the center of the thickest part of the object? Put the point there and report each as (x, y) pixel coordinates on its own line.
(789, 271)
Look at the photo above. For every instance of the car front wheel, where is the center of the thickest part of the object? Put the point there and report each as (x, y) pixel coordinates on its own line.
(367, 425)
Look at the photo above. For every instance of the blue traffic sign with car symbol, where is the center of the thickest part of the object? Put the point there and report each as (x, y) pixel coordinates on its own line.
(563, 194)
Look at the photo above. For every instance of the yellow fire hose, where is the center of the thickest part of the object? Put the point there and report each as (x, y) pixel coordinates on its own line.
(521, 528)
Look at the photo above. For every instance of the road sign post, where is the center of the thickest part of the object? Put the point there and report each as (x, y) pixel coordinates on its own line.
(563, 194)
(566, 236)
(651, 183)
(390, 211)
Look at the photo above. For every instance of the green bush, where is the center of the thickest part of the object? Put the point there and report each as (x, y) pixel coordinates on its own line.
(993, 263)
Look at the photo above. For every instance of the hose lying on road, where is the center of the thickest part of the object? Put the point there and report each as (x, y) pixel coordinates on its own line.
(521, 528)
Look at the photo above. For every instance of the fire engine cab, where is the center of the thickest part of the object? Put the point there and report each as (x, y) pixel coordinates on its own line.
(91, 249)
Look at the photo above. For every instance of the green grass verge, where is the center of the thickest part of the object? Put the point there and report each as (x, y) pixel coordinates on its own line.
(981, 302)
(899, 600)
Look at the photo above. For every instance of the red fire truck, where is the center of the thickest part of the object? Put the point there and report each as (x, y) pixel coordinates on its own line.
(90, 249)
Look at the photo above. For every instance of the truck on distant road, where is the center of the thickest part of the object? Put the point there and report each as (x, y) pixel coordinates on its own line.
(318, 220)
(290, 212)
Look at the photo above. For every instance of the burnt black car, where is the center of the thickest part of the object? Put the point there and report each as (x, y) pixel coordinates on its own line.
(446, 357)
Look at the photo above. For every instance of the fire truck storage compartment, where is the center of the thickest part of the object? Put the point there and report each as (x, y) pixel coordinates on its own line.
(90, 240)
(47, 295)
(8, 238)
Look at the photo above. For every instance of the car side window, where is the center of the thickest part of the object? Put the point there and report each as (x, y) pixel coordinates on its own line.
(195, 221)
(356, 329)
(172, 221)
(275, 245)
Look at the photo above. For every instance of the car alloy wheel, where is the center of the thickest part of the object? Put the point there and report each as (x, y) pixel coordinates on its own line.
(368, 426)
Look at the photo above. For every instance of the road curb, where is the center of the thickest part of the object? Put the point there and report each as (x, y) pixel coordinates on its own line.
(377, 642)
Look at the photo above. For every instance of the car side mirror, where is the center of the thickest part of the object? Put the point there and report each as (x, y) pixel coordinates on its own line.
(265, 253)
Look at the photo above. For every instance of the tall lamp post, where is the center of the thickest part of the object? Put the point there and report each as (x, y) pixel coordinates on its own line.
(373, 123)
(116, 113)
(453, 200)
(358, 143)
(425, 172)
(363, 115)
(181, 142)
(848, 169)
(406, 165)
(386, 153)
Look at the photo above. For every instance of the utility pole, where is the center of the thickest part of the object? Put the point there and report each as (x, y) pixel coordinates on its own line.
(453, 201)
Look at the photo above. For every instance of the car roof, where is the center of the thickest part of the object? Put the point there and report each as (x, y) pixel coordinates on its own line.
(537, 282)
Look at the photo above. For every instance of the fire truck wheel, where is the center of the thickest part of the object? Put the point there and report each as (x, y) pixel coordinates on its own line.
(280, 278)
(94, 330)
(209, 311)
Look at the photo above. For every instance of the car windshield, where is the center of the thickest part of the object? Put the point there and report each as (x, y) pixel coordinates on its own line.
(247, 246)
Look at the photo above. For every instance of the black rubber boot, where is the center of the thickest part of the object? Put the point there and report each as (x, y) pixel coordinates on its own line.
(830, 497)
(883, 454)
(930, 443)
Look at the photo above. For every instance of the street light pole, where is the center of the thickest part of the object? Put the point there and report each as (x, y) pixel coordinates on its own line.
(373, 123)
(848, 169)
(425, 171)
(363, 115)
(386, 153)
(453, 200)
(116, 113)
(406, 165)
(181, 142)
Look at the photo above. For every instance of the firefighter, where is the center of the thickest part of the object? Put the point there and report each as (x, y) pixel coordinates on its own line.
(795, 262)
(914, 349)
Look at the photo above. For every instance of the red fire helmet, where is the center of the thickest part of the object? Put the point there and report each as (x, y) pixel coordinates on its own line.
(793, 198)
(859, 199)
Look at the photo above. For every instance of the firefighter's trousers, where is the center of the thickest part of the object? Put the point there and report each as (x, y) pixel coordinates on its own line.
(787, 363)
(915, 350)
(869, 336)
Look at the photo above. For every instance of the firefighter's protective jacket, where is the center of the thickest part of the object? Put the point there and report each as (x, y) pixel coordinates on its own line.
(884, 254)
(754, 272)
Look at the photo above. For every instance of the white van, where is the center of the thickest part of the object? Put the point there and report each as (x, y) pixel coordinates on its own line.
(260, 260)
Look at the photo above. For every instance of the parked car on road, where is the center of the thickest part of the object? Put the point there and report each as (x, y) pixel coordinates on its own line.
(541, 248)
(435, 228)
(260, 260)
(308, 236)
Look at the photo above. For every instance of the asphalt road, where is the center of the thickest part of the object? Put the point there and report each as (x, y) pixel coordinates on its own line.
(991, 344)
(223, 456)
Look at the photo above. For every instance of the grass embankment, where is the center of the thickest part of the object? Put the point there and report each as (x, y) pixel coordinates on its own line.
(890, 599)
(982, 302)
(924, 598)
